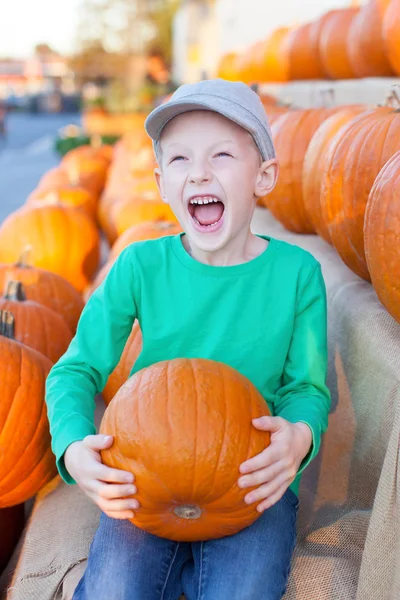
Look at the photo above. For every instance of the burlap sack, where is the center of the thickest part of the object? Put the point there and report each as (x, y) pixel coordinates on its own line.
(348, 539)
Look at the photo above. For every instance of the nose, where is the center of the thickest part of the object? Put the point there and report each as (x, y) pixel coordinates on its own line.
(200, 172)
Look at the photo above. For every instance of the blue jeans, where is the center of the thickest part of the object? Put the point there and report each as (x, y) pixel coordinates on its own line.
(127, 563)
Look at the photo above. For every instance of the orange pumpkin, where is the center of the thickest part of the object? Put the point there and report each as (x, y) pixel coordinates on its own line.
(333, 44)
(273, 64)
(37, 326)
(46, 288)
(96, 149)
(183, 427)
(26, 460)
(60, 177)
(149, 230)
(381, 232)
(391, 34)
(133, 211)
(227, 67)
(354, 159)
(92, 172)
(118, 377)
(365, 45)
(64, 240)
(292, 134)
(72, 195)
(301, 46)
(313, 167)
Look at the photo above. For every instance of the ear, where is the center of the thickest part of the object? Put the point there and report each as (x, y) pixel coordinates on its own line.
(266, 178)
(160, 184)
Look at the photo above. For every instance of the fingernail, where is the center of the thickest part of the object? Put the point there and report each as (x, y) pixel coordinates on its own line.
(134, 504)
(129, 478)
(249, 499)
(132, 489)
(242, 482)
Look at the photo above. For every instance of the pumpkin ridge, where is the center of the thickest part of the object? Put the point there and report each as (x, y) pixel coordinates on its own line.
(334, 178)
(10, 407)
(196, 430)
(160, 482)
(14, 407)
(349, 199)
(34, 464)
(375, 132)
(216, 466)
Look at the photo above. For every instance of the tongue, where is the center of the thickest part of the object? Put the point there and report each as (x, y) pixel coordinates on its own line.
(206, 214)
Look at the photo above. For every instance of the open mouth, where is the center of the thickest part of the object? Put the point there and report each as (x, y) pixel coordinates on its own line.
(206, 212)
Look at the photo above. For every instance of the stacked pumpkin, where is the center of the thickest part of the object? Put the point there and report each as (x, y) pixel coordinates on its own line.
(39, 311)
(58, 220)
(339, 178)
(49, 251)
(344, 43)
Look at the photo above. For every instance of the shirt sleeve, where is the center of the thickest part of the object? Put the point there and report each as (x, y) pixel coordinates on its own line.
(82, 372)
(304, 396)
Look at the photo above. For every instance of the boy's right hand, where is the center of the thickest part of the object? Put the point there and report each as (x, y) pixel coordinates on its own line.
(107, 487)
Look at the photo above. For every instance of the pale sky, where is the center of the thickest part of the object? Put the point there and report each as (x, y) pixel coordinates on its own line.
(25, 23)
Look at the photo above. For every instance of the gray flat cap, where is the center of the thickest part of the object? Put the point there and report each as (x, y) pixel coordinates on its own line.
(232, 99)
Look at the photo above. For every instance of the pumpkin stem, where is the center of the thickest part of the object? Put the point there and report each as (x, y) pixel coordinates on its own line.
(7, 324)
(15, 291)
(328, 97)
(24, 258)
(393, 97)
(188, 511)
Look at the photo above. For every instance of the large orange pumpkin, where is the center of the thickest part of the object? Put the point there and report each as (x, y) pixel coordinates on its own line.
(356, 156)
(96, 149)
(382, 231)
(365, 45)
(227, 67)
(391, 34)
(64, 240)
(291, 134)
(273, 63)
(72, 195)
(133, 211)
(118, 377)
(148, 230)
(314, 162)
(37, 326)
(46, 288)
(301, 46)
(92, 171)
(183, 427)
(333, 44)
(26, 460)
(60, 176)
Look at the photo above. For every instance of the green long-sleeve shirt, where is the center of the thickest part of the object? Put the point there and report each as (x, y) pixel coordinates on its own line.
(266, 318)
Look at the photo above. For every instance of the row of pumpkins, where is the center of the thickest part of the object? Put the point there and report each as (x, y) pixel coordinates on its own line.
(49, 254)
(344, 43)
(340, 179)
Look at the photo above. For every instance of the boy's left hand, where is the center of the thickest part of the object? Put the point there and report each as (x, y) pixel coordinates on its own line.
(274, 469)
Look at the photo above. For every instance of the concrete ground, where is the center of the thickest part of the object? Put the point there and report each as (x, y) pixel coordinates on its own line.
(26, 153)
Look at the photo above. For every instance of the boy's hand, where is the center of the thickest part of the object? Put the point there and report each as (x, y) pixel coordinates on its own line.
(107, 487)
(274, 469)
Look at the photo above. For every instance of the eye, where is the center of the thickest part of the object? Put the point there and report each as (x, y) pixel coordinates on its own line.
(177, 158)
(224, 154)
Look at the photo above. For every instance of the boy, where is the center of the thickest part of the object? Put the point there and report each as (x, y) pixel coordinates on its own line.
(216, 291)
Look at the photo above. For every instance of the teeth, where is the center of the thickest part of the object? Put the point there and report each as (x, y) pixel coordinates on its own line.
(204, 200)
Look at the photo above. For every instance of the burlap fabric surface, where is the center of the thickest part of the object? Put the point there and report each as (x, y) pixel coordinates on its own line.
(348, 527)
